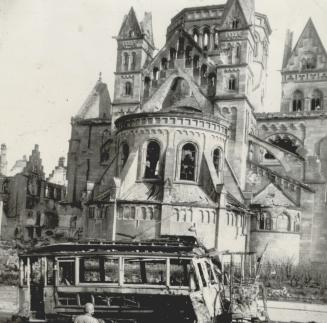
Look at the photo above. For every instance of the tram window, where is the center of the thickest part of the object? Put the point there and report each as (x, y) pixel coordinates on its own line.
(67, 299)
(66, 273)
(111, 271)
(50, 276)
(90, 270)
(204, 282)
(179, 272)
(144, 271)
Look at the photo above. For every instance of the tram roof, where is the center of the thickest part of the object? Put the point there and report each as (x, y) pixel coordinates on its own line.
(187, 246)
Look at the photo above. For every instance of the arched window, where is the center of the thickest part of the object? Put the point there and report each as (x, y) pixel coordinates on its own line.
(124, 153)
(216, 158)
(172, 57)
(206, 39)
(204, 69)
(283, 222)
(180, 50)
(164, 63)
(147, 81)
(188, 162)
(212, 84)
(232, 83)
(238, 53)
(128, 88)
(133, 64)
(152, 159)
(195, 35)
(235, 23)
(155, 76)
(188, 57)
(196, 60)
(265, 222)
(216, 40)
(297, 103)
(126, 61)
(316, 100)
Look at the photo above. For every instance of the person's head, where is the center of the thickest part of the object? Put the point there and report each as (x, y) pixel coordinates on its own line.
(89, 308)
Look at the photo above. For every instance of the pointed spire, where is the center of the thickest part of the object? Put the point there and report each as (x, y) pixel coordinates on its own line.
(100, 77)
(146, 26)
(130, 27)
(309, 47)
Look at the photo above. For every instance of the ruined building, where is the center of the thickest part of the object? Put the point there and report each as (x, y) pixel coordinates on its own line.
(182, 149)
(28, 202)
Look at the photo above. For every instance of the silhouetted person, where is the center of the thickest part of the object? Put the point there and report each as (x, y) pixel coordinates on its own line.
(87, 316)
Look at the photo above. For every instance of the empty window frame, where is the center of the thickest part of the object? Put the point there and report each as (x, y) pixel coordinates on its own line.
(188, 162)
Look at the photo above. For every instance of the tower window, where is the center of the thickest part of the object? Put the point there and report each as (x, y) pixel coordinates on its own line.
(216, 158)
(297, 103)
(152, 159)
(316, 101)
(232, 83)
(126, 61)
(124, 153)
(147, 81)
(235, 23)
(188, 160)
(216, 40)
(238, 52)
(164, 64)
(195, 36)
(188, 57)
(206, 42)
(128, 88)
(180, 52)
(204, 69)
(172, 57)
(133, 64)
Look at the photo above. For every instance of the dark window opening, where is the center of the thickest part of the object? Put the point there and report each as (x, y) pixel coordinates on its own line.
(172, 58)
(297, 103)
(232, 83)
(180, 51)
(126, 61)
(204, 79)
(152, 159)
(265, 222)
(124, 154)
(316, 101)
(155, 76)
(144, 271)
(133, 64)
(128, 88)
(212, 84)
(188, 160)
(196, 60)
(217, 160)
(188, 57)
(179, 272)
(147, 81)
(235, 23)
(204, 282)
(67, 273)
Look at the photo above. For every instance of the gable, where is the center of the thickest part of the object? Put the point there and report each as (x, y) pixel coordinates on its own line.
(308, 50)
(272, 196)
(130, 26)
(234, 10)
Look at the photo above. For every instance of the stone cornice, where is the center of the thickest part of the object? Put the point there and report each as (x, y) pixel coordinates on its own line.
(272, 116)
(173, 119)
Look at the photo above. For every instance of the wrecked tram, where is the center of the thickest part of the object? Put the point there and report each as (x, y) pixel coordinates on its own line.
(166, 280)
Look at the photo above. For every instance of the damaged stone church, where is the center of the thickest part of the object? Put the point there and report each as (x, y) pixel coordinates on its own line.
(183, 149)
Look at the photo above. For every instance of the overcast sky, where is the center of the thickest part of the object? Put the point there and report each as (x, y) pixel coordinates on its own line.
(51, 52)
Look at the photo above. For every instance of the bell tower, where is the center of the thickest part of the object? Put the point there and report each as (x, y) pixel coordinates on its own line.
(135, 49)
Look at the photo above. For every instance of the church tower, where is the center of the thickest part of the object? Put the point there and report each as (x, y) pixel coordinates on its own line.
(304, 73)
(135, 49)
